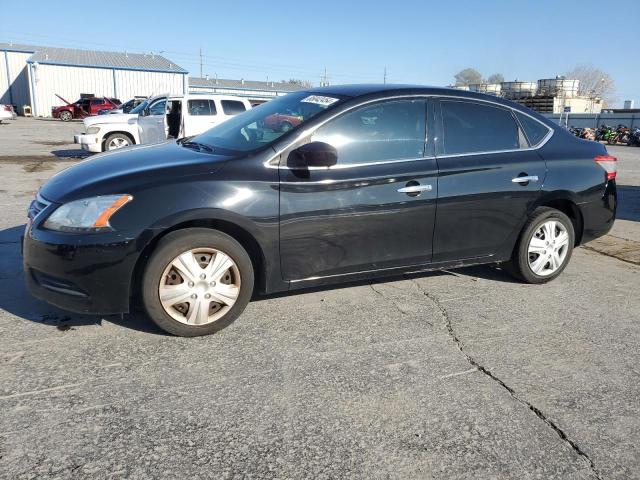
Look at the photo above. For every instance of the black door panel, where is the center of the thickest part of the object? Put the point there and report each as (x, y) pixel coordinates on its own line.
(344, 220)
(480, 207)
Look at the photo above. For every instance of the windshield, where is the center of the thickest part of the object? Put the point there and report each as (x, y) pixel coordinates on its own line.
(140, 107)
(264, 124)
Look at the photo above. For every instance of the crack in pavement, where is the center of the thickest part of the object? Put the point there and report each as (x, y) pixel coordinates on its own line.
(474, 363)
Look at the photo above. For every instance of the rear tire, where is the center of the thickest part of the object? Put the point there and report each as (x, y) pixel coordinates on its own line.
(544, 247)
(190, 289)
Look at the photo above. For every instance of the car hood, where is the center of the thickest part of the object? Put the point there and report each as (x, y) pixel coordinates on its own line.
(107, 118)
(128, 170)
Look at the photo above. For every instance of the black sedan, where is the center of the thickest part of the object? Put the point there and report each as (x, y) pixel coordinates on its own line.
(374, 180)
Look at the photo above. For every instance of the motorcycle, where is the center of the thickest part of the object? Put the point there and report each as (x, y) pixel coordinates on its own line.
(634, 138)
(588, 134)
(575, 131)
(603, 133)
(620, 135)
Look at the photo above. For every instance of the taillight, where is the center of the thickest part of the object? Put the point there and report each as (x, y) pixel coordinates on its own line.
(8, 108)
(610, 165)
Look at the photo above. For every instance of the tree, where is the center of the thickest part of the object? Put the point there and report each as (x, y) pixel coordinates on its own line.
(593, 82)
(297, 81)
(496, 78)
(468, 76)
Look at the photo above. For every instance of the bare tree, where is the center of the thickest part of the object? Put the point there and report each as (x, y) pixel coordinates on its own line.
(468, 76)
(594, 82)
(297, 81)
(496, 78)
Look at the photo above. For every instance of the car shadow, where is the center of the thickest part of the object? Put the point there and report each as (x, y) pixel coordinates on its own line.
(16, 300)
(71, 153)
(628, 203)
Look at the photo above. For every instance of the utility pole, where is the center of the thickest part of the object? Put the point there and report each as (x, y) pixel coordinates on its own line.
(324, 79)
(200, 62)
(384, 80)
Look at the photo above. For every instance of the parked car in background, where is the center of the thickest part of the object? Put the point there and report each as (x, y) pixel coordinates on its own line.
(85, 107)
(159, 118)
(190, 227)
(126, 107)
(7, 113)
(283, 122)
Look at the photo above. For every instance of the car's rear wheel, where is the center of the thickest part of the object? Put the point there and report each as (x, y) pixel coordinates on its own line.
(197, 281)
(65, 115)
(116, 141)
(544, 247)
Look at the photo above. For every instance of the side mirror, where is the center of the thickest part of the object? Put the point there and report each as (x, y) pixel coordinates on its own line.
(314, 154)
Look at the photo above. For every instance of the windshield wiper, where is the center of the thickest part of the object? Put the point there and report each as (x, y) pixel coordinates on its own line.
(201, 147)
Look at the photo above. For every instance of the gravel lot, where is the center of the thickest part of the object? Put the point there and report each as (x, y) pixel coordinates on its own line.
(458, 374)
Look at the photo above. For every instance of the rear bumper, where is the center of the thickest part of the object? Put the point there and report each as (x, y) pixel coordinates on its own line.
(90, 143)
(84, 274)
(599, 215)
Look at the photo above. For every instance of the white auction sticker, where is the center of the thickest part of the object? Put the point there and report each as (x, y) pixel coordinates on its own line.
(319, 100)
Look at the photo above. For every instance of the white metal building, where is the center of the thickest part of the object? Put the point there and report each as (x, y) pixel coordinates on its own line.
(33, 75)
(253, 90)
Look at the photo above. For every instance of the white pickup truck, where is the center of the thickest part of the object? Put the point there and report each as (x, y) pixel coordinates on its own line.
(157, 119)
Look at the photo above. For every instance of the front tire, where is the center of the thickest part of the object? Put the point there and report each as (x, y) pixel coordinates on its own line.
(116, 141)
(65, 116)
(197, 282)
(544, 248)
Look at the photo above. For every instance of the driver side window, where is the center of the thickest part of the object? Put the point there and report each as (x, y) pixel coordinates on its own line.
(158, 108)
(386, 131)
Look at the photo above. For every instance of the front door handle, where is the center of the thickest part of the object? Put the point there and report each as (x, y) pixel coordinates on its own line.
(525, 179)
(416, 189)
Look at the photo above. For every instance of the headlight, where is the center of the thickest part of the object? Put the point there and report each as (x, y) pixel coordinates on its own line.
(86, 215)
(93, 129)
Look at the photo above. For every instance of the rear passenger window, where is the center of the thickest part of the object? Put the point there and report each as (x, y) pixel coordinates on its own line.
(473, 127)
(393, 130)
(534, 130)
(232, 107)
(201, 107)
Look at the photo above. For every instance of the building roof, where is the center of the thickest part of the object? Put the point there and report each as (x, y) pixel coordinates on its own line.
(245, 84)
(95, 58)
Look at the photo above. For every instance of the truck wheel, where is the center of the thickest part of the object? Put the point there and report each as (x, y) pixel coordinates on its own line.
(197, 281)
(544, 247)
(116, 141)
(65, 115)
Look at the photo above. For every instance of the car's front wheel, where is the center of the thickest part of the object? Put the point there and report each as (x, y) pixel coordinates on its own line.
(66, 115)
(116, 141)
(544, 247)
(197, 281)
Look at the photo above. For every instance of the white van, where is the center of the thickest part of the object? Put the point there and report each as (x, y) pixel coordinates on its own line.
(159, 118)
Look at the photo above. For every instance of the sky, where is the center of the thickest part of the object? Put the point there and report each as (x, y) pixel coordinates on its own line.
(424, 42)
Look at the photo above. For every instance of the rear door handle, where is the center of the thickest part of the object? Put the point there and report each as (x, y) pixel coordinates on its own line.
(525, 179)
(415, 189)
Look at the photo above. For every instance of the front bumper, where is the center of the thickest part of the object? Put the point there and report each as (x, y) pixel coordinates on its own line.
(88, 142)
(80, 273)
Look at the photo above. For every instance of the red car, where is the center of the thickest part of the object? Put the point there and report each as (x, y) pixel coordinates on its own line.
(85, 107)
(282, 122)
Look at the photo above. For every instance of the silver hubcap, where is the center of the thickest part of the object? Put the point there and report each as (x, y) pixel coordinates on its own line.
(548, 248)
(117, 142)
(199, 286)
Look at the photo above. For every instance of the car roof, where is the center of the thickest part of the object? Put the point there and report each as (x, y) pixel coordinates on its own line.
(386, 90)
